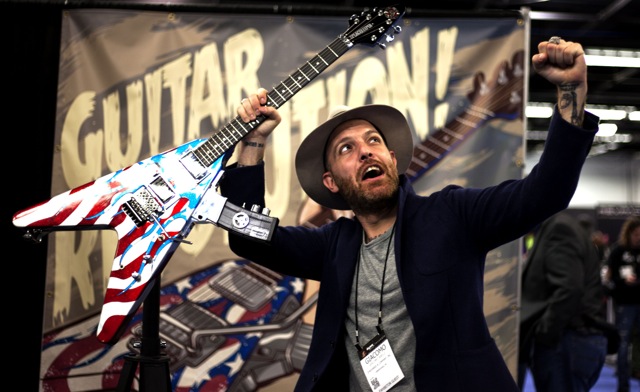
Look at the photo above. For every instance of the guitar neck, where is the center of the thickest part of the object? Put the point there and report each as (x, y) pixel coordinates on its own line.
(436, 146)
(218, 144)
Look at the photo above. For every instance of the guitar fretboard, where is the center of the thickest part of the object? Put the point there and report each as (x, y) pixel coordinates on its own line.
(236, 129)
(436, 146)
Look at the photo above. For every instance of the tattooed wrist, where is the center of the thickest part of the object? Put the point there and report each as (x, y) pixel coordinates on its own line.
(568, 101)
(253, 144)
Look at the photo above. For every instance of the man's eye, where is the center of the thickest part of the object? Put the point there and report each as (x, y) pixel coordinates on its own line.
(344, 148)
(375, 139)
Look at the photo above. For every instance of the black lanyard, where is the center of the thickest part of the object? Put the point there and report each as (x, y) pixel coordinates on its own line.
(384, 272)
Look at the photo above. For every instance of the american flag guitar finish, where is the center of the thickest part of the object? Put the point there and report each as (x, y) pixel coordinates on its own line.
(153, 204)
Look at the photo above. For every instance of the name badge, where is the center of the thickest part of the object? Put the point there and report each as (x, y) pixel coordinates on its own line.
(380, 365)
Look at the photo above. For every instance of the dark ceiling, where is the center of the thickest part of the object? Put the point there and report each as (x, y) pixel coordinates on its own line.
(593, 23)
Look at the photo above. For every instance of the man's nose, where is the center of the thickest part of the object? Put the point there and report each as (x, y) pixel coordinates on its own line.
(364, 155)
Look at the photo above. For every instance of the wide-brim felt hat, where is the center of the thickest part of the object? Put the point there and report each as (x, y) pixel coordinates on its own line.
(310, 165)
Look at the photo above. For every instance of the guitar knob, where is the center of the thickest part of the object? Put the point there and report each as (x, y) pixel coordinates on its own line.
(266, 211)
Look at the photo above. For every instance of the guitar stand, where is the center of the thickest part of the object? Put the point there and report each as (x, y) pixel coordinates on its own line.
(154, 366)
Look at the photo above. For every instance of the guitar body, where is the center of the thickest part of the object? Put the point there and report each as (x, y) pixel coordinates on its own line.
(154, 204)
(150, 205)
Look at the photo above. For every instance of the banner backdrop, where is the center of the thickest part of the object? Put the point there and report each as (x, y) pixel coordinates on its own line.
(133, 84)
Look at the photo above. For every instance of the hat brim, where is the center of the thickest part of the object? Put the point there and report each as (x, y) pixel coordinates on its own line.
(310, 156)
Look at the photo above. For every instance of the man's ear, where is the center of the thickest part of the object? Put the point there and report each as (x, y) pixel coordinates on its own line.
(393, 157)
(327, 180)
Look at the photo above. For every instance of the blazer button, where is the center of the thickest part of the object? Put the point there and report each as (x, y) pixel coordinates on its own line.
(332, 343)
(315, 377)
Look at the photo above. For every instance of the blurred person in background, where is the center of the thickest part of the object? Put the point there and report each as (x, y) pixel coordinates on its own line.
(561, 341)
(624, 267)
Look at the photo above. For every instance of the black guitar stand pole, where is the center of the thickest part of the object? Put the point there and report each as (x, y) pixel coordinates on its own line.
(154, 366)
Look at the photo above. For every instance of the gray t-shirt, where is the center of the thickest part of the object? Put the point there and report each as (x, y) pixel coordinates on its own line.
(395, 319)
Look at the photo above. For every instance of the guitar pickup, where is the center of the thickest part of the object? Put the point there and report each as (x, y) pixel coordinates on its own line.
(194, 165)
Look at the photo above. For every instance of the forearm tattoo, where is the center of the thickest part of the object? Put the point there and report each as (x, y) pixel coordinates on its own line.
(568, 99)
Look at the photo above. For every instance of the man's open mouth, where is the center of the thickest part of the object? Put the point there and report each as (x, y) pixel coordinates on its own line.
(372, 172)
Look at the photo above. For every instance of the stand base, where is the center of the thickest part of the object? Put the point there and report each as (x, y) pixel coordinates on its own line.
(154, 365)
(154, 374)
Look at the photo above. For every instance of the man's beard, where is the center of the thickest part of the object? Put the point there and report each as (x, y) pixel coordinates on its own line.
(365, 202)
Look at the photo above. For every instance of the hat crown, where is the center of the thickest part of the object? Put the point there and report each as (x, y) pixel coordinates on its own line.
(338, 110)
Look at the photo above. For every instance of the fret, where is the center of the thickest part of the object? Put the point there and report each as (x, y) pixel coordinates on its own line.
(421, 165)
(273, 100)
(204, 154)
(223, 140)
(296, 82)
(334, 53)
(216, 147)
(486, 112)
(452, 133)
(424, 149)
(284, 83)
(303, 74)
(200, 159)
(314, 68)
(466, 122)
(309, 70)
(323, 62)
(240, 134)
(244, 126)
(283, 98)
(438, 143)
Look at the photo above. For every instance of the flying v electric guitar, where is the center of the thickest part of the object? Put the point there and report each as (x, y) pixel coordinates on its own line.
(153, 204)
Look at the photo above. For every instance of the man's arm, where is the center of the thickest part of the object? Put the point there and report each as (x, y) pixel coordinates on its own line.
(251, 148)
(563, 64)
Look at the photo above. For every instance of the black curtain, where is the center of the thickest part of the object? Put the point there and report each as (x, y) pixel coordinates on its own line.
(31, 37)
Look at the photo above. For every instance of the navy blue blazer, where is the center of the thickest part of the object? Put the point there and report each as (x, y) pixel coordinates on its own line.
(440, 247)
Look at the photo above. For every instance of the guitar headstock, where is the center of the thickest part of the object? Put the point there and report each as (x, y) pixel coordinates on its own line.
(502, 95)
(372, 27)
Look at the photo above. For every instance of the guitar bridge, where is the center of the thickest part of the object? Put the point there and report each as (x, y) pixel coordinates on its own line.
(141, 207)
(144, 205)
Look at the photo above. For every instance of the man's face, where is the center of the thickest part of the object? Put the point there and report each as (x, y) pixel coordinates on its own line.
(360, 166)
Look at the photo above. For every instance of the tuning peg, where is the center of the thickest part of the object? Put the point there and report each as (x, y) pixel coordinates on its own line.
(382, 46)
(397, 29)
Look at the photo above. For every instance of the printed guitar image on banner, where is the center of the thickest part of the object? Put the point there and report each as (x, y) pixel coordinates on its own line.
(116, 217)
